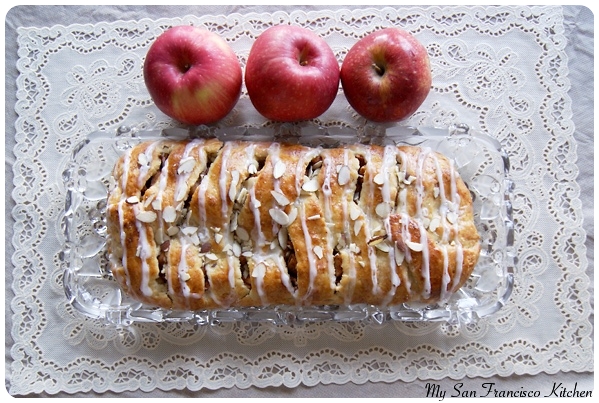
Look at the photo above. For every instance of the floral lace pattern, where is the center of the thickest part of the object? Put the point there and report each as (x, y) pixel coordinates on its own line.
(503, 70)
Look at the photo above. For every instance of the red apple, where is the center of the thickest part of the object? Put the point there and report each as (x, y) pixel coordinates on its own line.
(291, 74)
(386, 75)
(193, 75)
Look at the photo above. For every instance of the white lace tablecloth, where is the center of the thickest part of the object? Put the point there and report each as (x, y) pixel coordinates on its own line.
(501, 70)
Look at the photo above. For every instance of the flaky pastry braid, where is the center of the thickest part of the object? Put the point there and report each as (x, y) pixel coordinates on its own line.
(203, 224)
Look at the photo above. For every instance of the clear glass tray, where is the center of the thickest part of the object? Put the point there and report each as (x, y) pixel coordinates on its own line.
(481, 161)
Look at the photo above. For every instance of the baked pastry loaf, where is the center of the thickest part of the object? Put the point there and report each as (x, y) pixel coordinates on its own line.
(203, 224)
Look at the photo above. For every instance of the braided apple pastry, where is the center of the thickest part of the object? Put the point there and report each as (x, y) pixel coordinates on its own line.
(202, 224)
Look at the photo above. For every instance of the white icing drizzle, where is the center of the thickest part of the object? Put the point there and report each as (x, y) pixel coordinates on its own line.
(326, 187)
(182, 177)
(327, 193)
(371, 249)
(202, 227)
(285, 278)
(443, 203)
(157, 203)
(144, 255)
(401, 208)
(125, 173)
(258, 273)
(311, 258)
(445, 279)
(231, 272)
(443, 210)
(261, 265)
(389, 160)
(347, 230)
(143, 169)
(455, 199)
(425, 268)
(123, 244)
(274, 151)
(222, 179)
(224, 197)
(405, 234)
(261, 239)
(258, 239)
(182, 271)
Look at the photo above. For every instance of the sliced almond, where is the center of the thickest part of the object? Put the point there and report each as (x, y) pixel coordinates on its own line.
(142, 159)
(292, 215)
(185, 276)
(211, 256)
(311, 185)
(282, 237)
(313, 217)
(181, 193)
(253, 167)
(259, 270)
(169, 214)
(343, 176)
(195, 239)
(399, 255)
(383, 209)
(358, 227)
(132, 200)
(354, 211)
(415, 246)
(318, 251)
(434, 224)
(172, 230)
(377, 239)
(236, 249)
(146, 216)
(452, 217)
(401, 176)
(186, 165)
(242, 234)
(149, 200)
(279, 169)
(436, 191)
(383, 247)
(233, 188)
(242, 196)
(379, 178)
(218, 238)
(279, 216)
(189, 230)
(281, 199)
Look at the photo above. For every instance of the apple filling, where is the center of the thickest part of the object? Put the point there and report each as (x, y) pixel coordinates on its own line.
(360, 181)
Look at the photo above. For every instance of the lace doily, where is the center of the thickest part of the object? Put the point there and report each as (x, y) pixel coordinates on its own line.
(503, 70)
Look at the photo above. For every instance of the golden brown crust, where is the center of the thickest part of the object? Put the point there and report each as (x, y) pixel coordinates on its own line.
(202, 224)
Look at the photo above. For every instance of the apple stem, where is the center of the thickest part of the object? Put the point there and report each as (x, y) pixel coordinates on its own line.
(378, 69)
(303, 57)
